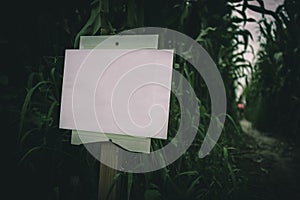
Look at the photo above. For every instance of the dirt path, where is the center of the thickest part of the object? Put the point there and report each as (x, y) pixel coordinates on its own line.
(273, 166)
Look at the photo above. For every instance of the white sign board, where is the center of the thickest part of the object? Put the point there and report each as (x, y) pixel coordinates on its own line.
(135, 144)
(124, 92)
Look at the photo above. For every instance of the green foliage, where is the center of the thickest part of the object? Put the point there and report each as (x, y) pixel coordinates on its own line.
(44, 149)
(273, 96)
(93, 24)
(212, 24)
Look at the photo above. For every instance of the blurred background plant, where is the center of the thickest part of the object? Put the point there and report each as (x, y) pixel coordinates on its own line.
(275, 84)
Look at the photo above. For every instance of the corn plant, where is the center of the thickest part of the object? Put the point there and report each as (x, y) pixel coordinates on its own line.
(275, 82)
(45, 150)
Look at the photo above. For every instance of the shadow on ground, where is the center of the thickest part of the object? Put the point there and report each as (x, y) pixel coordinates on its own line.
(272, 166)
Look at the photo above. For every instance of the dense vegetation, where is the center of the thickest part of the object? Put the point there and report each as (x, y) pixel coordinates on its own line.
(275, 84)
(49, 167)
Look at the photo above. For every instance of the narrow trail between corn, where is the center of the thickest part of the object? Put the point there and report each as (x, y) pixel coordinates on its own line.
(273, 165)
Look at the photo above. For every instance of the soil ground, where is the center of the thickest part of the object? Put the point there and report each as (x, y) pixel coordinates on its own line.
(272, 166)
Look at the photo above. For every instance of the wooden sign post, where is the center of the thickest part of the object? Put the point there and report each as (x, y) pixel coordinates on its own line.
(107, 174)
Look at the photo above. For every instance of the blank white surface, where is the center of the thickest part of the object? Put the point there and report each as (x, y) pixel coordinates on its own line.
(91, 98)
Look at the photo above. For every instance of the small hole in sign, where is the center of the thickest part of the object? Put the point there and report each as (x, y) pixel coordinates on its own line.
(117, 43)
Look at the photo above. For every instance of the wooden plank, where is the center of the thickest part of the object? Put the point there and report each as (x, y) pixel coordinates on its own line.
(107, 174)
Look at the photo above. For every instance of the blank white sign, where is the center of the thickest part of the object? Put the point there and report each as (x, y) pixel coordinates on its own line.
(123, 92)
